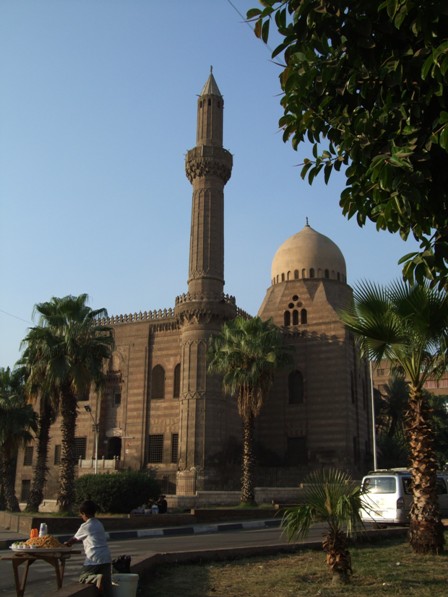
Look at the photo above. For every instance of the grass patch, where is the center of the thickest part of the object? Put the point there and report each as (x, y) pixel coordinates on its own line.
(388, 568)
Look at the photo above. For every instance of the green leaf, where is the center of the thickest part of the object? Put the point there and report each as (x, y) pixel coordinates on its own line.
(443, 138)
(252, 13)
(307, 165)
(427, 65)
(257, 28)
(265, 31)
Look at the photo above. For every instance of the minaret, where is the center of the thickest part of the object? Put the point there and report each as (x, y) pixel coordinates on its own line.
(208, 167)
(204, 308)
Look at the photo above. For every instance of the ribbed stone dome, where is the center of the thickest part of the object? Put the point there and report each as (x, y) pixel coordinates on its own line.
(308, 254)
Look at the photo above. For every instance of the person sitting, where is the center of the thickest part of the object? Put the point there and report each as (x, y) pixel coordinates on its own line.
(162, 504)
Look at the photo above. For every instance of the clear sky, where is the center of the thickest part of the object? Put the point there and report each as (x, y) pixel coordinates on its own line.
(97, 111)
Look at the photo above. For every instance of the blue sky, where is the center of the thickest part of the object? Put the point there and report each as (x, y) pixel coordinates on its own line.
(97, 111)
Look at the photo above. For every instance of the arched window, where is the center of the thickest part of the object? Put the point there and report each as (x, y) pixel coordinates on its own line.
(303, 316)
(176, 382)
(295, 317)
(286, 318)
(296, 274)
(283, 277)
(304, 273)
(312, 272)
(295, 387)
(327, 273)
(338, 277)
(288, 275)
(158, 383)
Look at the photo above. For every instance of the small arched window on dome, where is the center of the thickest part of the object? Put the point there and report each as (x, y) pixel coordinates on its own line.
(286, 318)
(327, 274)
(283, 277)
(319, 273)
(295, 387)
(304, 273)
(303, 316)
(312, 272)
(296, 274)
(338, 277)
(288, 275)
(295, 317)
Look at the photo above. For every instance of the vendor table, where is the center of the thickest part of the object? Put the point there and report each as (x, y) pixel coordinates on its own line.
(56, 558)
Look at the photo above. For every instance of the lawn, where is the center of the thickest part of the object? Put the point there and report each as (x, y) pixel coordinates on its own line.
(389, 568)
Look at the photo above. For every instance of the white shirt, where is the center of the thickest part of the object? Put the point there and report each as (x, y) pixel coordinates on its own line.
(94, 540)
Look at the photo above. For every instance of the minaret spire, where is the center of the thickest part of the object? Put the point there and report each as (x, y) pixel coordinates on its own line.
(208, 167)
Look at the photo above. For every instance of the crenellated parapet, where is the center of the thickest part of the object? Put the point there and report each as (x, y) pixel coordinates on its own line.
(155, 315)
(208, 160)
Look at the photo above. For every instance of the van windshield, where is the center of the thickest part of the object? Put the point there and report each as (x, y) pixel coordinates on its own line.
(380, 485)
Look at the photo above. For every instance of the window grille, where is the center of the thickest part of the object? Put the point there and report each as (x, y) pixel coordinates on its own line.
(28, 456)
(155, 448)
(174, 447)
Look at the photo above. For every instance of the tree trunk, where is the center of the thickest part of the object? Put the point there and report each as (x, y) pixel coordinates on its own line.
(426, 529)
(68, 409)
(248, 464)
(40, 472)
(335, 545)
(8, 470)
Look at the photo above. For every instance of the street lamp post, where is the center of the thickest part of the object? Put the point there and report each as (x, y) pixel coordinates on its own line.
(95, 428)
(372, 406)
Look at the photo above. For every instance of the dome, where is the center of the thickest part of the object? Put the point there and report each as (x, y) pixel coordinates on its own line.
(308, 254)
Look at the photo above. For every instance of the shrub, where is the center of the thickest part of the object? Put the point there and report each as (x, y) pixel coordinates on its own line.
(117, 493)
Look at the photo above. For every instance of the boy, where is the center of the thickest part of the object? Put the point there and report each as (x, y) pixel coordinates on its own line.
(98, 558)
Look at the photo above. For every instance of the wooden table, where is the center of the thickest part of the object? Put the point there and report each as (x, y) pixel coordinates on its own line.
(56, 558)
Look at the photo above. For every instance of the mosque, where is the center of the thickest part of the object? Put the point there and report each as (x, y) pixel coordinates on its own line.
(161, 410)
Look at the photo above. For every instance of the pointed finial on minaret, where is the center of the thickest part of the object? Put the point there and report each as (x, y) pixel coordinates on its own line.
(307, 223)
(210, 87)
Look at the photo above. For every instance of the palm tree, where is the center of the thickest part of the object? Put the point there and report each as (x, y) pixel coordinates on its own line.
(17, 420)
(47, 411)
(333, 498)
(246, 353)
(67, 351)
(408, 325)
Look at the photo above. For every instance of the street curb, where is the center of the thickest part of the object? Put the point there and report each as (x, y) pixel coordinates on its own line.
(197, 529)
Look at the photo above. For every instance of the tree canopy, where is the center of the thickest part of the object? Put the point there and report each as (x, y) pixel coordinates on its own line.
(365, 81)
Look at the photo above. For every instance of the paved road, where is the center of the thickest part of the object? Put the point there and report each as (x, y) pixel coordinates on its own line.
(41, 580)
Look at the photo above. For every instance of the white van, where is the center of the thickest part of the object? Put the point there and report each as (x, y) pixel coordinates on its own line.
(387, 496)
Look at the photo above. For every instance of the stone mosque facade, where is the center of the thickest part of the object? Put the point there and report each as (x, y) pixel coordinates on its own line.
(161, 410)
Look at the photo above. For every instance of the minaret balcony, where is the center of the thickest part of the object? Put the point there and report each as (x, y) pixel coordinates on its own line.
(208, 160)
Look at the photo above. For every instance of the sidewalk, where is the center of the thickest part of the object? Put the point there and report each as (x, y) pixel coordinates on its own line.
(8, 537)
